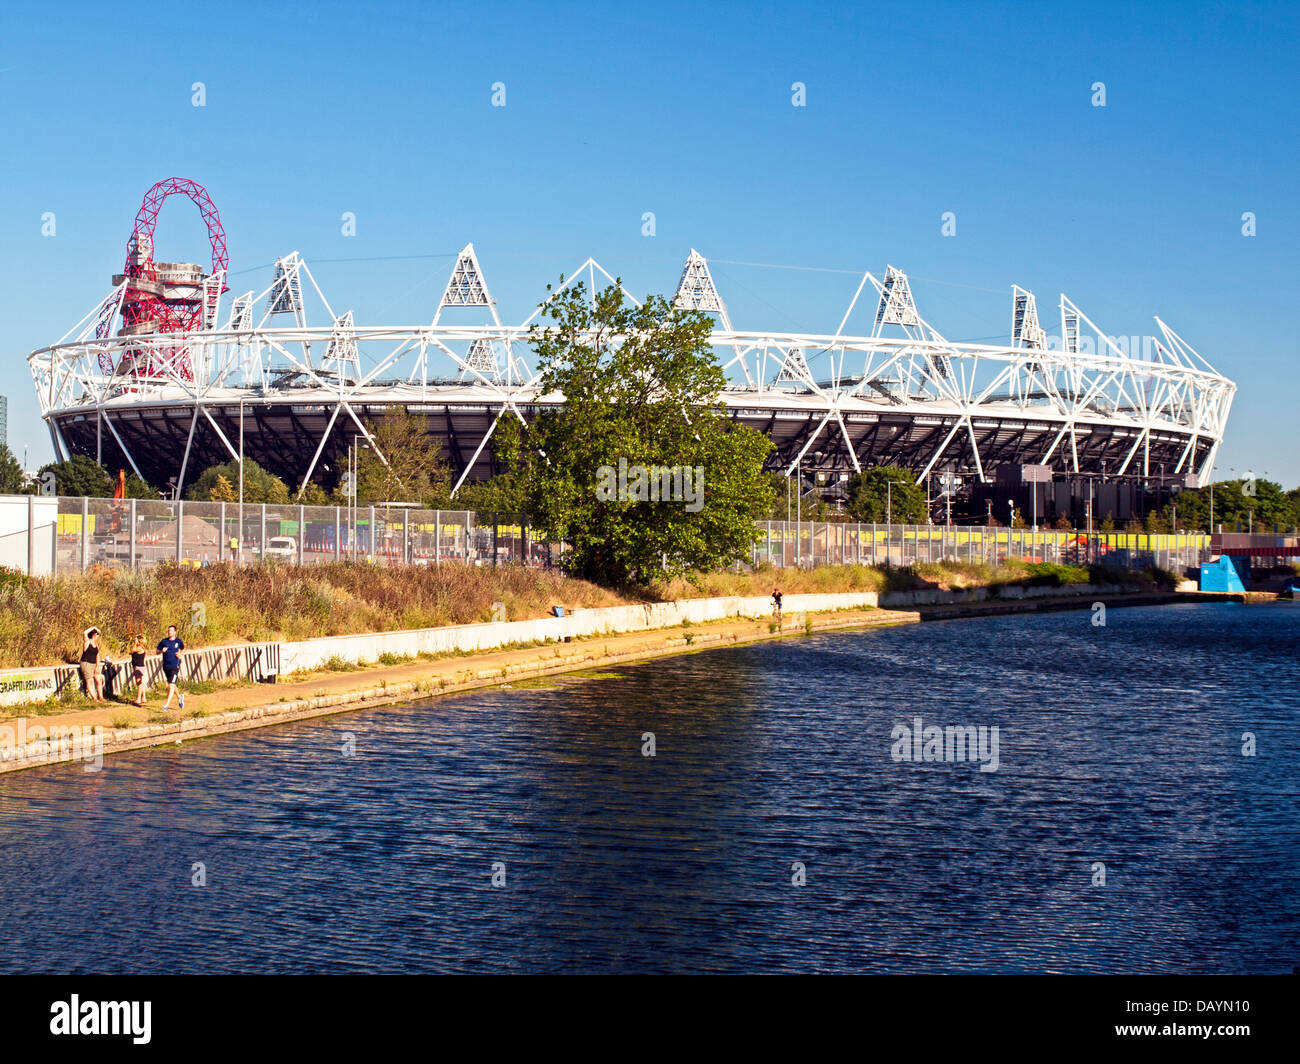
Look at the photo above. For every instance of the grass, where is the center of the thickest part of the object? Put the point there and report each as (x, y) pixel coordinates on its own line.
(41, 618)
(946, 576)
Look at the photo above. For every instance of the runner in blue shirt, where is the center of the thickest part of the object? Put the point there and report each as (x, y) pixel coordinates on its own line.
(171, 648)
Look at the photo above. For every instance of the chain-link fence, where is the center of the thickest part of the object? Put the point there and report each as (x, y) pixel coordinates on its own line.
(62, 535)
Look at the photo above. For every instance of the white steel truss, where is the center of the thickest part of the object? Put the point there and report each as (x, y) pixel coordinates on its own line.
(916, 397)
(1025, 330)
(696, 290)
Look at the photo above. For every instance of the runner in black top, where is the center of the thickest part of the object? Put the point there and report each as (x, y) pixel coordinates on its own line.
(776, 603)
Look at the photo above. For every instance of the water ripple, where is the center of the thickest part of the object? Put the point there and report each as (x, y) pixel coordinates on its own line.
(1119, 745)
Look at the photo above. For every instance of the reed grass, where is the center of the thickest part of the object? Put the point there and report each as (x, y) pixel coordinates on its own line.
(42, 618)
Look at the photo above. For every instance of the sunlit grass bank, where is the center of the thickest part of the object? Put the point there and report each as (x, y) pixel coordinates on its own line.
(42, 618)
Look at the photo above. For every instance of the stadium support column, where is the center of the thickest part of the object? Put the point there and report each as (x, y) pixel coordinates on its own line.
(180, 531)
(132, 539)
(302, 530)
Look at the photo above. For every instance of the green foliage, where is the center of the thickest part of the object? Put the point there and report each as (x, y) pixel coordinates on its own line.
(1269, 505)
(314, 495)
(220, 483)
(1051, 574)
(136, 488)
(12, 481)
(81, 475)
(411, 470)
(502, 494)
(887, 493)
(783, 498)
(641, 385)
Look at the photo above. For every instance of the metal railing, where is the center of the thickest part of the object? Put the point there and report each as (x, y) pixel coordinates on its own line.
(65, 535)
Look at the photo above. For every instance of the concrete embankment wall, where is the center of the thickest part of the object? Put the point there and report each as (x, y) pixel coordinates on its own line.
(254, 661)
(895, 600)
(612, 620)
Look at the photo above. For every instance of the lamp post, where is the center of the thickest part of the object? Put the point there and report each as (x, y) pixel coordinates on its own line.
(355, 465)
(239, 550)
(798, 495)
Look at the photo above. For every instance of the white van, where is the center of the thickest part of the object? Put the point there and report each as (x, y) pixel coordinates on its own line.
(285, 547)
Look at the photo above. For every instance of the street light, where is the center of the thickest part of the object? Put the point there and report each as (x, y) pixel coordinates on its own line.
(354, 463)
(239, 549)
(889, 500)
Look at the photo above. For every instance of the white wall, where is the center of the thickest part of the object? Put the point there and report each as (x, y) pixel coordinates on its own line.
(312, 653)
(13, 532)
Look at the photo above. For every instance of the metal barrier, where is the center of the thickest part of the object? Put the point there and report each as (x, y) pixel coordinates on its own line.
(143, 533)
(790, 544)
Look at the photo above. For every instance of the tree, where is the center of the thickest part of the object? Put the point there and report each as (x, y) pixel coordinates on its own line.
(1268, 505)
(259, 484)
(500, 494)
(411, 470)
(223, 490)
(137, 488)
(81, 475)
(640, 469)
(12, 481)
(887, 493)
(314, 495)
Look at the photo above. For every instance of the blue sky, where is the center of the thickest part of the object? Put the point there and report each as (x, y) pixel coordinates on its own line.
(685, 110)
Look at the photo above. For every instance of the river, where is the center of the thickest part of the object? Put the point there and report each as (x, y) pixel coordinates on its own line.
(774, 829)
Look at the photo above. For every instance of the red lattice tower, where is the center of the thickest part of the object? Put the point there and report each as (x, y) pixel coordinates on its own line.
(157, 304)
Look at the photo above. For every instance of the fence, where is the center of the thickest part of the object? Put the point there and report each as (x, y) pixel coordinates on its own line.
(142, 533)
(787, 544)
(71, 534)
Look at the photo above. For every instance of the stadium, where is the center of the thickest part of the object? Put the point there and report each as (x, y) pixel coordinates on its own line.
(171, 373)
